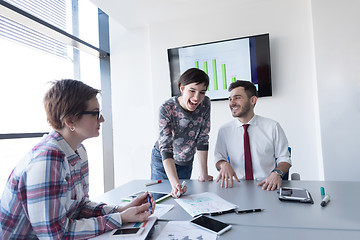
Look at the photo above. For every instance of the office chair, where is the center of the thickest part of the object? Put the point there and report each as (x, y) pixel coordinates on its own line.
(295, 176)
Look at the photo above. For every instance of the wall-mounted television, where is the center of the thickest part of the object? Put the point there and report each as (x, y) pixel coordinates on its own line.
(245, 58)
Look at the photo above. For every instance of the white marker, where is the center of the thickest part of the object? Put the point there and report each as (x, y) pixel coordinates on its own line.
(182, 187)
(325, 200)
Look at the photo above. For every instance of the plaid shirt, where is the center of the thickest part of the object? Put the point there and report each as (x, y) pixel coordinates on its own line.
(46, 196)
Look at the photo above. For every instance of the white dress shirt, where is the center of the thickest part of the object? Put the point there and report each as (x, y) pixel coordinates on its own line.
(267, 143)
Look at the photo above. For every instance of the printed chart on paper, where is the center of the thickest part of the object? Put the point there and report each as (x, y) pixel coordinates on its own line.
(206, 202)
(184, 230)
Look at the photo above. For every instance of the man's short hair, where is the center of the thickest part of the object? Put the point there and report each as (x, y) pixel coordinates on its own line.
(248, 86)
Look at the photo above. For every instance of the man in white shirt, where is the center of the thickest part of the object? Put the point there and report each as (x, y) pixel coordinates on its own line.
(270, 156)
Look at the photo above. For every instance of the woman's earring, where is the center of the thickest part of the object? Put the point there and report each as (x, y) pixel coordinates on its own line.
(72, 129)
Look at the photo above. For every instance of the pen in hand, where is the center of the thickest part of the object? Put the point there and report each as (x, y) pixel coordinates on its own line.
(178, 194)
(150, 208)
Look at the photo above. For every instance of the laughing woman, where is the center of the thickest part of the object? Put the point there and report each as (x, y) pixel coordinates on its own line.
(184, 126)
(46, 195)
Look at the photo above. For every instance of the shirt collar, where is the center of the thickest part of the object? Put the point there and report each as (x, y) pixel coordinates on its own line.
(70, 154)
(251, 122)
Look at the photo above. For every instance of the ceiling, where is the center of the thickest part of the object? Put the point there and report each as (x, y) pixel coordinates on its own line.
(139, 13)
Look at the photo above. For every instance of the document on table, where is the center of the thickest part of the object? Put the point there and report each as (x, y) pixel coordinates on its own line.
(161, 209)
(206, 202)
(148, 224)
(184, 230)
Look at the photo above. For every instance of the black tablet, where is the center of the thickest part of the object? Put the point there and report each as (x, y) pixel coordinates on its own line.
(295, 194)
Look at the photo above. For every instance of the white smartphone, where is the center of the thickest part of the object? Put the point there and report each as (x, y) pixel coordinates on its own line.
(211, 224)
(127, 232)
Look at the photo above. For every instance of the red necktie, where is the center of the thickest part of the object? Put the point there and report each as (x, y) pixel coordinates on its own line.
(248, 163)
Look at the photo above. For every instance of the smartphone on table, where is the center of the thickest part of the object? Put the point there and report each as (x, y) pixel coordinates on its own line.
(211, 224)
(127, 232)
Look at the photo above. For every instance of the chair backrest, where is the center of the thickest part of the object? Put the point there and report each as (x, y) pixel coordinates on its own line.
(295, 176)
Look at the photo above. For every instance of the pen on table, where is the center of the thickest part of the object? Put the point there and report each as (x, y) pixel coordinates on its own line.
(325, 200)
(233, 210)
(150, 208)
(182, 187)
(249, 210)
(222, 212)
(216, 213)
(152, 183)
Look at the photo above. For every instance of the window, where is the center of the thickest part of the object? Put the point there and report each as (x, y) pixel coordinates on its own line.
(37, 40)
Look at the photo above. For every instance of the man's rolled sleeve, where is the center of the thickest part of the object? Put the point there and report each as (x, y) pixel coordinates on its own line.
(282, 153)
(220, 148)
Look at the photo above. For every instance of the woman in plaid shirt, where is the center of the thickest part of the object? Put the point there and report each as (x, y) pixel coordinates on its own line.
(46, 196)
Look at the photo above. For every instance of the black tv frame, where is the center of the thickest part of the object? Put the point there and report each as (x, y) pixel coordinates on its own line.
(259, 57)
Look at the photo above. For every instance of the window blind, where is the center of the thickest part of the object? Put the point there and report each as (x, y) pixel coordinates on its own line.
(53, 12)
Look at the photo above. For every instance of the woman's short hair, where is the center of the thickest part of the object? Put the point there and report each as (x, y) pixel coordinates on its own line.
(193, 75)
(65, 98)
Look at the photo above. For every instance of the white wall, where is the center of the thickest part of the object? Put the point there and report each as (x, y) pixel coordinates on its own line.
(141, 83)
(133, 112)
(315, 75)
(292, 104)
(337, 53)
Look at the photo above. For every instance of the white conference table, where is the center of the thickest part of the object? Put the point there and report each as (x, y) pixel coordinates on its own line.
(339, 219)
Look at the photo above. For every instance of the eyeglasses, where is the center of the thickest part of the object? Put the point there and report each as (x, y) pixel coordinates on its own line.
(98, 114)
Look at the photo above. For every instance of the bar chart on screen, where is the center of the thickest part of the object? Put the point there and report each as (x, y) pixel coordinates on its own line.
(215, 82)
(222, 64)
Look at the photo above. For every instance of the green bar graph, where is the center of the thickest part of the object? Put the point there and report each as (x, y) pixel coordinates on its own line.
(206, 70)
(223, 69)
(205, 67)
(215, 74)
